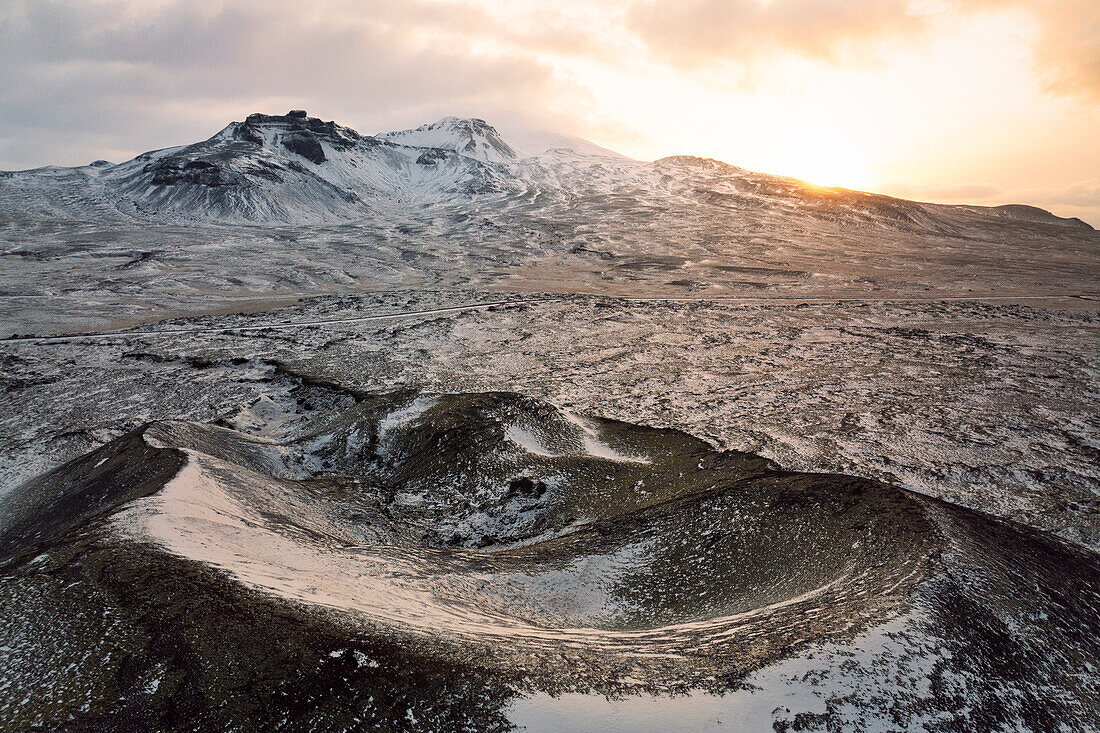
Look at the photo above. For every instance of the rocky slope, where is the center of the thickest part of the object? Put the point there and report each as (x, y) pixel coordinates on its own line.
(502, 541)
(351, 496)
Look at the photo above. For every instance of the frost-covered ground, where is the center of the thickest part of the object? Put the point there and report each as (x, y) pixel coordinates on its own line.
(288, 271)
(987, 404)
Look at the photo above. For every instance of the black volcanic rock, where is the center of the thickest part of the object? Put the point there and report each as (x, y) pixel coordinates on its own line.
(248, 133)
(172, 171)
(297, 133)
(335, 135)
(305, 144)
(478, 129)
(281, 615)
(268, 170)
(432, 156)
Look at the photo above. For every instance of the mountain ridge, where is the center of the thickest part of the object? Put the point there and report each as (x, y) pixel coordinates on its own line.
(298, 169)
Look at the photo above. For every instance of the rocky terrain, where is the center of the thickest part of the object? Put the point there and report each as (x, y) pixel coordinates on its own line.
(445, 430)
(242, 221)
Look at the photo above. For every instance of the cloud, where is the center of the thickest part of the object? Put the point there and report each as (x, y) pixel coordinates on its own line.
(956, 193)
(80, 77)
(84, 79)
(1067, 49)
(1081, 199)
(1085, 195)
(698, 32)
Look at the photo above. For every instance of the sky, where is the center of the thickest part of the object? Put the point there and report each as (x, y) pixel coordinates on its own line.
(970, 101)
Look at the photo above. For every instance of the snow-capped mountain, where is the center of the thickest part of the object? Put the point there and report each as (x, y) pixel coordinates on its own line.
(472, 138)
(269, 168)
(297, 169)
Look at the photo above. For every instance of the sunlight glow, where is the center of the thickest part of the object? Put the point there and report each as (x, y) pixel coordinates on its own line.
(926, 110)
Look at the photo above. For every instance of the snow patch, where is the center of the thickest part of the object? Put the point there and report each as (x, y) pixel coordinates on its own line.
(399, 419)
(596, 447)
(528, 441)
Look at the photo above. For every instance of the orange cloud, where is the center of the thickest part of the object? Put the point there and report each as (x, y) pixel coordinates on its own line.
(1080, 199)
(1067, 49)
(695, 33)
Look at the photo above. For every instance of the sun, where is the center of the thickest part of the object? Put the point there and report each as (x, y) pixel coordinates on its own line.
(841, 168)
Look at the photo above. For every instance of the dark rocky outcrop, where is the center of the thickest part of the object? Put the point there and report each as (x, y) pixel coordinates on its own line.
(164, 581)
(305, 144)
(173, 171)
(297, 126)
(432, 156)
